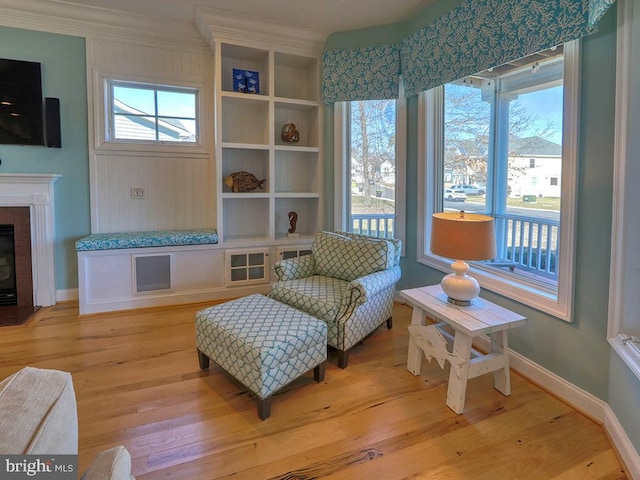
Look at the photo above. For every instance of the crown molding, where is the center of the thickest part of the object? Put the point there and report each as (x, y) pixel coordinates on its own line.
(58, 16)
(215, 24)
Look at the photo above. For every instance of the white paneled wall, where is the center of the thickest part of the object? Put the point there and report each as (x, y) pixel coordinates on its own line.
(178, 180)
(153, 62)
(178, 193)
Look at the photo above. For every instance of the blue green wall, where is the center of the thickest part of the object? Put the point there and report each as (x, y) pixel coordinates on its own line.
(63, 76)
(576, 351)
(624, 387)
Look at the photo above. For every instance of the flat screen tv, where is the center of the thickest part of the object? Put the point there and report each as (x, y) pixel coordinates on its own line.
(21, 110)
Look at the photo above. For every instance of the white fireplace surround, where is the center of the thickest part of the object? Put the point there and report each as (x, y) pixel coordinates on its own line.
(36, 192)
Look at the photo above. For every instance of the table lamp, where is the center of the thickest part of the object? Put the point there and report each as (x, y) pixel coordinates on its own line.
(462, 236)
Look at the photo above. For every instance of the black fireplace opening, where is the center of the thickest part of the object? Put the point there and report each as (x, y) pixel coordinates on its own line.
(8, 288)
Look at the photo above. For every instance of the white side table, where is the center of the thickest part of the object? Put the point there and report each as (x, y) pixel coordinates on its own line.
(482, 317)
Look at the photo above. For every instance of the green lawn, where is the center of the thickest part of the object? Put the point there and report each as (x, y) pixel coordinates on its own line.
(378, 205)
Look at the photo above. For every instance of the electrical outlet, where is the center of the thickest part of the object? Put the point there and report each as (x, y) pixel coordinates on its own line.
(137, 193)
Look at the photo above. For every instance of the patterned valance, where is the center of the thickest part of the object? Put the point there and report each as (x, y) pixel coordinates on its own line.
(474, 36)
(479, 34)
(369, 73)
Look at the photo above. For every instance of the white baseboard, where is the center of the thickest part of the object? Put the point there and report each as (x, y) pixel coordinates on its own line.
(67, 295)
(622, 444)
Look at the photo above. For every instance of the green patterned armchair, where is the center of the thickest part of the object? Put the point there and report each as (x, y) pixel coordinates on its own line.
(348, 281)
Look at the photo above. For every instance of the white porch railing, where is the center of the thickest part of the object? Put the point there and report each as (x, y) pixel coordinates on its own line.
(525, 243)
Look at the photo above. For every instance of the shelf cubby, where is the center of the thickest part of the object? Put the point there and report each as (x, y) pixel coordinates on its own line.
(246, 217)
(250, 160)
(243, 120)
(296, 77)
(308, 216)
(244, 58)
(296, 171)
(306, 118)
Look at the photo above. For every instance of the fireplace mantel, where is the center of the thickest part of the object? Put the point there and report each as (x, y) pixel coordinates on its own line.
(35, 190)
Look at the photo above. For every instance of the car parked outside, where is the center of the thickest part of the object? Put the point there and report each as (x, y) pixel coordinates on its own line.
(469, 189)
(455, 195)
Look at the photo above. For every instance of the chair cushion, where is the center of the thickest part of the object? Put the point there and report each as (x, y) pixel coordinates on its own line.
(347, 258)
(395, 245)
(318, 296)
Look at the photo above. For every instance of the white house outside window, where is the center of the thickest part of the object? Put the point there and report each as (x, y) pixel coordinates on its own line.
(151, 113)
(506, 138)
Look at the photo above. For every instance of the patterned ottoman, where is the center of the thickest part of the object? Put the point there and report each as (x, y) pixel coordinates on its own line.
(263, 343)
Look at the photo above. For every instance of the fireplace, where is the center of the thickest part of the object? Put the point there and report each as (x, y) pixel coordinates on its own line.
(16, 279)
(26, 202)
(8, 287)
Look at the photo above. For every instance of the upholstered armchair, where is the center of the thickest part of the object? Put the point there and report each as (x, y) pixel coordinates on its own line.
(348, 281)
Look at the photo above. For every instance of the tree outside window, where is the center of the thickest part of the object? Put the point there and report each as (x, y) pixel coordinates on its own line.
(373, 167)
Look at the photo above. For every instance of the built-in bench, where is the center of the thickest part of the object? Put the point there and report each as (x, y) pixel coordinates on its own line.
(125, 270)
(165, 238)
(120, 271)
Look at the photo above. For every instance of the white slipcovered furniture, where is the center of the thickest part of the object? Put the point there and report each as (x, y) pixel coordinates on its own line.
(348, 281)
(38, 416)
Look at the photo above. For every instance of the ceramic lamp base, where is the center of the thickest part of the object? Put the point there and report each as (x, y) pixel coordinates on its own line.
(460, 287)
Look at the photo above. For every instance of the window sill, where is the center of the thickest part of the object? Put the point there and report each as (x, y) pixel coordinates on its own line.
(171, 148)
(530, 294)
(628, 351)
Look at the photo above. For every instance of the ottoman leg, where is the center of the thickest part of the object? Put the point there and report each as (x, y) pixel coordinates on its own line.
(203, 360)
(318, 372)
(264, 407)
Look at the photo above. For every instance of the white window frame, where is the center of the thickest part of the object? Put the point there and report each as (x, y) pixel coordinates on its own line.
(623, 284)
(342, 174)
(110, 120)
(101, 119)
(430, 136)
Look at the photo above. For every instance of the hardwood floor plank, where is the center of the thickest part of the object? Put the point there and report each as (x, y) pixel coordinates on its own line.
(138, 383)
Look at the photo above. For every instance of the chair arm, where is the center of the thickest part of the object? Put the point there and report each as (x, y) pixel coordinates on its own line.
(295, 268)
(363, 288)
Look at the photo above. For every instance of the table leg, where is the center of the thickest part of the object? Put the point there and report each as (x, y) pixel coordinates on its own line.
(459, 374)
(414, 355)
(501, 377)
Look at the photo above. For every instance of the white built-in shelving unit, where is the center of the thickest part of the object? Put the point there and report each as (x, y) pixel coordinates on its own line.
(248, 138)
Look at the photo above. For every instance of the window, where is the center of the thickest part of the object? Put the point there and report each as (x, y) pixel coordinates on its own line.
(502, 132)
(151, 113)
(370, 167)
(624, 303)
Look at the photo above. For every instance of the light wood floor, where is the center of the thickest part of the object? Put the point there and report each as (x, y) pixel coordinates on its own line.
(138, 384)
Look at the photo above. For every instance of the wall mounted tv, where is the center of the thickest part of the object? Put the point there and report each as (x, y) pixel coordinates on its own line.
(21, 109)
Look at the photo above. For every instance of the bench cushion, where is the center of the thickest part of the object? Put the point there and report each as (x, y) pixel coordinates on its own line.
(165, 238)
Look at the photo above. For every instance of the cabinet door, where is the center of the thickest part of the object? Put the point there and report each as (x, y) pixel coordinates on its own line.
(293, 251)
(247, 266)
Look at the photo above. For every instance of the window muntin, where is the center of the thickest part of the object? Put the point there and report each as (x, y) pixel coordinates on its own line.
(494, 144)
(151, 113)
